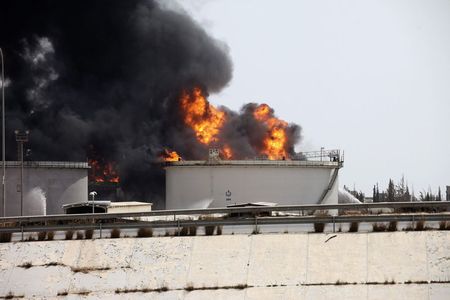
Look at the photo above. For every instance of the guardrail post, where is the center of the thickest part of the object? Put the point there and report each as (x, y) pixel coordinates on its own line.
(100, 225)
(256, 224)
(334, 225)
(178, 227)
(21, 232)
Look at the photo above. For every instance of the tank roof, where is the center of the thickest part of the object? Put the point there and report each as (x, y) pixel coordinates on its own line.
(48, 164)
(251, 163)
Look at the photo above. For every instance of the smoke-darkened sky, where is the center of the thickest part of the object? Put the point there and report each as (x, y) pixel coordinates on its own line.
(102, 80)
(104, 77)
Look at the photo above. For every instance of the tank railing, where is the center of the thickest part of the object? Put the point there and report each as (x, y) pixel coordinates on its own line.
(318, 158)
(48, 164)
(297, 209)
(333, 155)
(287, 163)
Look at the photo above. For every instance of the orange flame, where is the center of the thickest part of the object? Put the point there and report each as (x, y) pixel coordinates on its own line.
(170, 156)
(201, 116)
(227, 153)
(275, 140)
(103, 171)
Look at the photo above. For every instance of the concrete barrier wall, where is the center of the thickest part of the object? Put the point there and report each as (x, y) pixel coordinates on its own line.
(398, 265)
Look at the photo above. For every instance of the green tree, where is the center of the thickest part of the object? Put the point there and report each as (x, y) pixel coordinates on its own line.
(407, 196)
(391, 191)
(374, 194)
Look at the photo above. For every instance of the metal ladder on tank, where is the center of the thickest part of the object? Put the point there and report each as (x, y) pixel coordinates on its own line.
(330, 185)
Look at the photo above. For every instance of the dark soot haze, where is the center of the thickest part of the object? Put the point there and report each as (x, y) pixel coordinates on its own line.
(102, 79)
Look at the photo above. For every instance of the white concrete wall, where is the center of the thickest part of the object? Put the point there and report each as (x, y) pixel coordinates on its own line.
(207, 186)
(283, 266)
(45, 189)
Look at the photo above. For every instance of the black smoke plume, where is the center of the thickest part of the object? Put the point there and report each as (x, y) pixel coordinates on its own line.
(102, 79)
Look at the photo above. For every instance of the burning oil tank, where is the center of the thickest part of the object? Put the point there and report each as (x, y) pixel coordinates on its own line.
(219, 183)
(104, 180)
(47, 186)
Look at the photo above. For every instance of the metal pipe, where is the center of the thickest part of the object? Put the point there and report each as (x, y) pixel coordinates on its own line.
(3, 136)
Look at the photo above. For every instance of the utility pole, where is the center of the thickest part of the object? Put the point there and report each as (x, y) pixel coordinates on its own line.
(21, 138)
(3, 135)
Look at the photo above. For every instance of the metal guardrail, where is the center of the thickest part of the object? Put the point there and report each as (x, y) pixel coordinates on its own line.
(234, 210)
(252, 221)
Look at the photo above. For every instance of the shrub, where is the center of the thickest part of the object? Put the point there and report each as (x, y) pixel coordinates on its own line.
(26, 265)
(353, 227)
(319, 227)
(42, 235)
(209, 230)
(80, 235)
(192, 230)
(50, 235)
(163, 289)
(89, 233)
(115, 233)
(183, 231)
(62, 293)
(69, 234)
(378, 227)
(189, 287)
(241, 286)
(443, 225)
(5, 237)
(392, 226)
(219, 230)
(145, 232)
(420, 225)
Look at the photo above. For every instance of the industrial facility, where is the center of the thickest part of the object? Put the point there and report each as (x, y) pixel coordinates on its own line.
(313, 179)
(47, 186)
(58, 187)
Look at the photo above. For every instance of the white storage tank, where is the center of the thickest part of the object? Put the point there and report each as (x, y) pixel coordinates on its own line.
(219, 183)
(46, 186)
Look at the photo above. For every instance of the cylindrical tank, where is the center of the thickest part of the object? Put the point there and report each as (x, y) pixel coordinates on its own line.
(200, 184)
(46, 186)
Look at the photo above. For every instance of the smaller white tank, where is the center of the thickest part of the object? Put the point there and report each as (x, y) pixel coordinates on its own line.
(46, 186)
